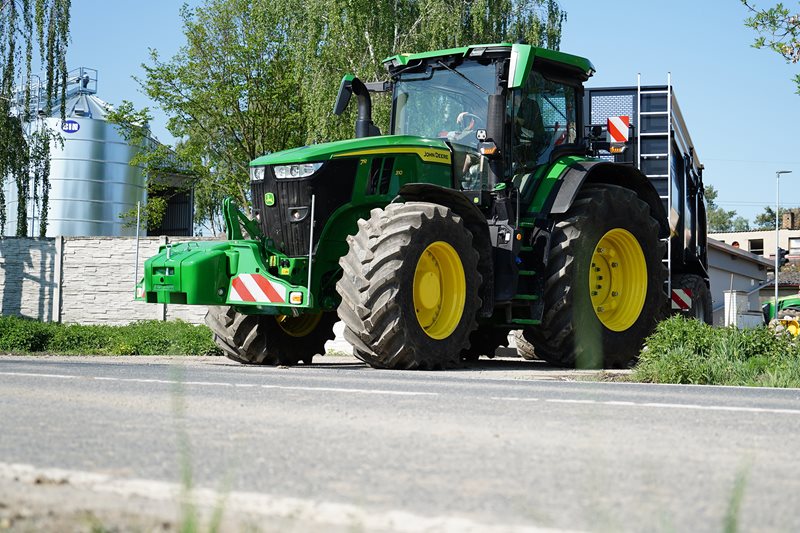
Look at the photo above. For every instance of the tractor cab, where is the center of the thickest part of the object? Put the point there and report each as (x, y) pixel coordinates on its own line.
(503, 109)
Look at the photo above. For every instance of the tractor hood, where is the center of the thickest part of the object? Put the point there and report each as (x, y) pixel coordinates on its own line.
(434, 150)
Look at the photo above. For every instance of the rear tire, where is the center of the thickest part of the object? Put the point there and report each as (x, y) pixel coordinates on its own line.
(604, 283)
(701, 308)
(409, 287)
(270, 339)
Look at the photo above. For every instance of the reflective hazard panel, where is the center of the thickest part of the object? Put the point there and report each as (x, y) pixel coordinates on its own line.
(617, 129)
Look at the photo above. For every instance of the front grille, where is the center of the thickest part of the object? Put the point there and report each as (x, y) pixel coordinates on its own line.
(333, 187)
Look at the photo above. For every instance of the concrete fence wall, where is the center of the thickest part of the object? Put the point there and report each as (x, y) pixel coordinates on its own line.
(87, 280)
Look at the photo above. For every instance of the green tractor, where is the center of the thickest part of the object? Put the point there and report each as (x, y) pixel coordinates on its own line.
(484, 210)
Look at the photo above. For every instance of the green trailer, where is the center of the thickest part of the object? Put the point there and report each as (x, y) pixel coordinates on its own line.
(488, 207)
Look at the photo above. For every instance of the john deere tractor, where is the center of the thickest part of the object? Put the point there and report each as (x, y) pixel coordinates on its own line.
(483, 210)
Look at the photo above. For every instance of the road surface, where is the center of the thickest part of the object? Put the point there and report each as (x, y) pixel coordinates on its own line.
(505, 446)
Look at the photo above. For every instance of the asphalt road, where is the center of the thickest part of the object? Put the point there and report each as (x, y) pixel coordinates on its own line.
(506, 445)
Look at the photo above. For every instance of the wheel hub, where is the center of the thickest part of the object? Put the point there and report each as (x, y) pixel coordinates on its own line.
(618, 279)
(439, 290)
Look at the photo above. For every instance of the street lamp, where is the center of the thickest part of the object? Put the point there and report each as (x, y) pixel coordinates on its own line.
(777, 230)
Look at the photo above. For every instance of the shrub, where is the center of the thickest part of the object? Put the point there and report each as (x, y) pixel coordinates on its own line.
(18, 335)
(688, 351)
(24, 335)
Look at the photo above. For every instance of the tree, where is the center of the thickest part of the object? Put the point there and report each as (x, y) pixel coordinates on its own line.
(778, 29)
(24, 155)
(258, 76)
(719, 219)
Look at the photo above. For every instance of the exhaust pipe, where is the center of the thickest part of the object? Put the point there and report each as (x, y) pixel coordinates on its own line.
(350, 86)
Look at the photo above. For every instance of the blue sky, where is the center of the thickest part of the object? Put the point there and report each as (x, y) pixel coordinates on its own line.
(739, 103)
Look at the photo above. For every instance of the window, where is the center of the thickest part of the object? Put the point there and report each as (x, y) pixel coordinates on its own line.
(794, 246)
(445, 103)
(543, 117)
(756, 246)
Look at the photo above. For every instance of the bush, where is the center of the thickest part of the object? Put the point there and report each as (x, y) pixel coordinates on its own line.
(19, 335)
(688, 351)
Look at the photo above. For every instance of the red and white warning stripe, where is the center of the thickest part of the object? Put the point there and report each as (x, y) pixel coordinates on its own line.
(617, 128)
(140, 292)
(682, 299)
(256, 288)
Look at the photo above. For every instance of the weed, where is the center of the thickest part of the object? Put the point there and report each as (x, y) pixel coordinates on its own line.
(688, 351)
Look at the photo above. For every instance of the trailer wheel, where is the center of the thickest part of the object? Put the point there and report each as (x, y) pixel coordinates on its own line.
(701, 307)
(484, 341)
(409, 287)
(269, 339)
(604, 282)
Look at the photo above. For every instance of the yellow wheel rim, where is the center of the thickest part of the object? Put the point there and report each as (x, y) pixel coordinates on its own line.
(298, 326)
(618, 280)
(439, 290)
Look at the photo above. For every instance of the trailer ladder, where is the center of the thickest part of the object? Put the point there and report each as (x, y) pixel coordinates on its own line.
(654, 150)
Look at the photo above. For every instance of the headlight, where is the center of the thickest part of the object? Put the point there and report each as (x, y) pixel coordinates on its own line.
(302, 170)
(256, 173)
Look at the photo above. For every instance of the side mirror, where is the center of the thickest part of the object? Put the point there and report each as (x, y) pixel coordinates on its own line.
(345, 92)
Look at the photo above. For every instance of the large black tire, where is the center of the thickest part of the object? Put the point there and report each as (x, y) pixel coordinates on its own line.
(268, 339)
(484, 341)
(701, 308)
(524, 348)
(409, 287)
(572, 334)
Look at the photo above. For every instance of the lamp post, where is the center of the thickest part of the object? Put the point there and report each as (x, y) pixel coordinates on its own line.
(777, 230)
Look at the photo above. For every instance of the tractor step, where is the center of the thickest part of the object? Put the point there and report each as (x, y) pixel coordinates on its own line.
(526, 248)
(527, 272)
(526, 321)
(530, 297)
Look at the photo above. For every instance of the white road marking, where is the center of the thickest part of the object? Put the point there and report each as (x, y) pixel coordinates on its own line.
(657, 405)
(239, 503)
(223, 384)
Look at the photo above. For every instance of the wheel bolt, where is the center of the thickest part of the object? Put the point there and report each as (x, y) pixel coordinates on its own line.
(614, 265)
(614, 293)
(601, 309)
(594, 293)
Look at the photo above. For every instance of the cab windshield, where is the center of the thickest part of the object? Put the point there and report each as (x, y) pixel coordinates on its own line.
(444, 103)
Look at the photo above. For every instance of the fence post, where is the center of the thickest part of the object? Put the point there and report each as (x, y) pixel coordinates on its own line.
(57, 279)
(163, 240)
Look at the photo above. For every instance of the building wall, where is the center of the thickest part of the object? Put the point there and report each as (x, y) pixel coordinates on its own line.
(88, 280)
(27, 286)
(746, 238)
(733, 269)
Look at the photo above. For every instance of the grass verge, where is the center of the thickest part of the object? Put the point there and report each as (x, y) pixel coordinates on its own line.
(688, 351)
(151, 337)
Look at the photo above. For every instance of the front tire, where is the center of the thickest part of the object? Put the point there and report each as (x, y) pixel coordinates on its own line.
(604, 283)
(410, 287)
(270, 339)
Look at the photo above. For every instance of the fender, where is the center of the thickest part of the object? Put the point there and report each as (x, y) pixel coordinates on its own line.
(475, 222)
(578, 173)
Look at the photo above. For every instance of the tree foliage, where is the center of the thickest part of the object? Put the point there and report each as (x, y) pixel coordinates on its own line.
(719, 219)
(258, 76)
(25, 25)
(778, 29)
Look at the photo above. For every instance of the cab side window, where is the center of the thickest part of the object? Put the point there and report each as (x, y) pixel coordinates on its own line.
(542, 117)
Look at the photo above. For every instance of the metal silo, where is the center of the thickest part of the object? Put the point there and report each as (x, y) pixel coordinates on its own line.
(91, 179)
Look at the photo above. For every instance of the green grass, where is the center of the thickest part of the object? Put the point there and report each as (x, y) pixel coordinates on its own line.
(687, 351)
(152, 337)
